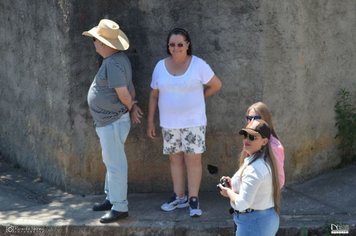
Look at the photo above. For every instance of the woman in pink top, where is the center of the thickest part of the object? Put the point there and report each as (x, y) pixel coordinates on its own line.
(259, 110)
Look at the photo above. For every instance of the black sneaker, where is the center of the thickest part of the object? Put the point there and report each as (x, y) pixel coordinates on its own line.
(104, 206)
(194, 210)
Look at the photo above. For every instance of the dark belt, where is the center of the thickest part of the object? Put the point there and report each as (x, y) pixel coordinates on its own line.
(248, 210)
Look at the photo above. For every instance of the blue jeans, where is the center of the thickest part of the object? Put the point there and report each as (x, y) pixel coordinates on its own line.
(257, 223)
(112, 139)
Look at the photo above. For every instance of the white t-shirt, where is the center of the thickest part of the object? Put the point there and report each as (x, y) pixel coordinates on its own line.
(255, 191)
(181, 98)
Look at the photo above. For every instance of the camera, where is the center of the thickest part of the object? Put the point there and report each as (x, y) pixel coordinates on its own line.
(223, 182)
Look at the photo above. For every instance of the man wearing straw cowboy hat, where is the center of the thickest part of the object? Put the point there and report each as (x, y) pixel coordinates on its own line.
(111, 100)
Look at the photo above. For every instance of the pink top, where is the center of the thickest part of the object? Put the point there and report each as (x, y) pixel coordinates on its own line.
(278, 152)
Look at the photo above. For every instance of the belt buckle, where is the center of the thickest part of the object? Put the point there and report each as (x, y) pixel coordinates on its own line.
(249, 210)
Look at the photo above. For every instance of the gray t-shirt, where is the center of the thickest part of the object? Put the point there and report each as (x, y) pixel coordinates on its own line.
(104, 103)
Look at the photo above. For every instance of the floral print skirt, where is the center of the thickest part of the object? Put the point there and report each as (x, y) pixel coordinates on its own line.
(187, 140)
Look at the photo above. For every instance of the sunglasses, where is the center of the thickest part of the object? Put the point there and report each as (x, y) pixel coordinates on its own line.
(249, 136)
(172, 45)
(249, 118)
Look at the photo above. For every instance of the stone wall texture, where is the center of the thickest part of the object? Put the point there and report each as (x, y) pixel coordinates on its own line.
(295, 55)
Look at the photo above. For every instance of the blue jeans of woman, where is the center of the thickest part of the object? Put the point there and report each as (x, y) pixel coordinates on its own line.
(112, 139)
(257, 223)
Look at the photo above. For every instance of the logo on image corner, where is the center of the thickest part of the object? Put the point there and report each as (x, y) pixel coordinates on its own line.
(10, 229)
(339, 229)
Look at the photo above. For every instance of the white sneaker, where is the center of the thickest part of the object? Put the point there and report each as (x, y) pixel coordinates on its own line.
(194, 210)
(175, 202)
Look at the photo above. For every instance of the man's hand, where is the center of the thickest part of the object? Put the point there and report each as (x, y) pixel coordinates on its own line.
(136, 114)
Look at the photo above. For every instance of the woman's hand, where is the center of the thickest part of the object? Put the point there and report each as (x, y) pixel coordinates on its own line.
(224, 190)
(151, 130)
(227, 181)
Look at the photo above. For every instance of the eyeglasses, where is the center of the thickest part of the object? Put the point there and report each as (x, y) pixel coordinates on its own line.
(249, 118)
(249, 136)
(172, 45)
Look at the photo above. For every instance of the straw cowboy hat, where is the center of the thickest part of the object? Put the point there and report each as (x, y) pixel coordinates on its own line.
(109, 33)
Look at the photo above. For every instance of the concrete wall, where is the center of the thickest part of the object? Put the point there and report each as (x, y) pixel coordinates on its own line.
(293, 55)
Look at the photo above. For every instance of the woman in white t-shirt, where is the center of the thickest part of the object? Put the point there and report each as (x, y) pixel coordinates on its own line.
(254, 191)
(180, 84)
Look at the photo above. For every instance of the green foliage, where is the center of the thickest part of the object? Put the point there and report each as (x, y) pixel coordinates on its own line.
(345, 110)
(303, 232)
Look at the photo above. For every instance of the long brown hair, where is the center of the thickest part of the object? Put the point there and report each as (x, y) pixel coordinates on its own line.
(263, 110)
(267, 154)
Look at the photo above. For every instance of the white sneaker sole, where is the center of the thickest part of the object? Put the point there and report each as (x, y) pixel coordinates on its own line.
(178, 206)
